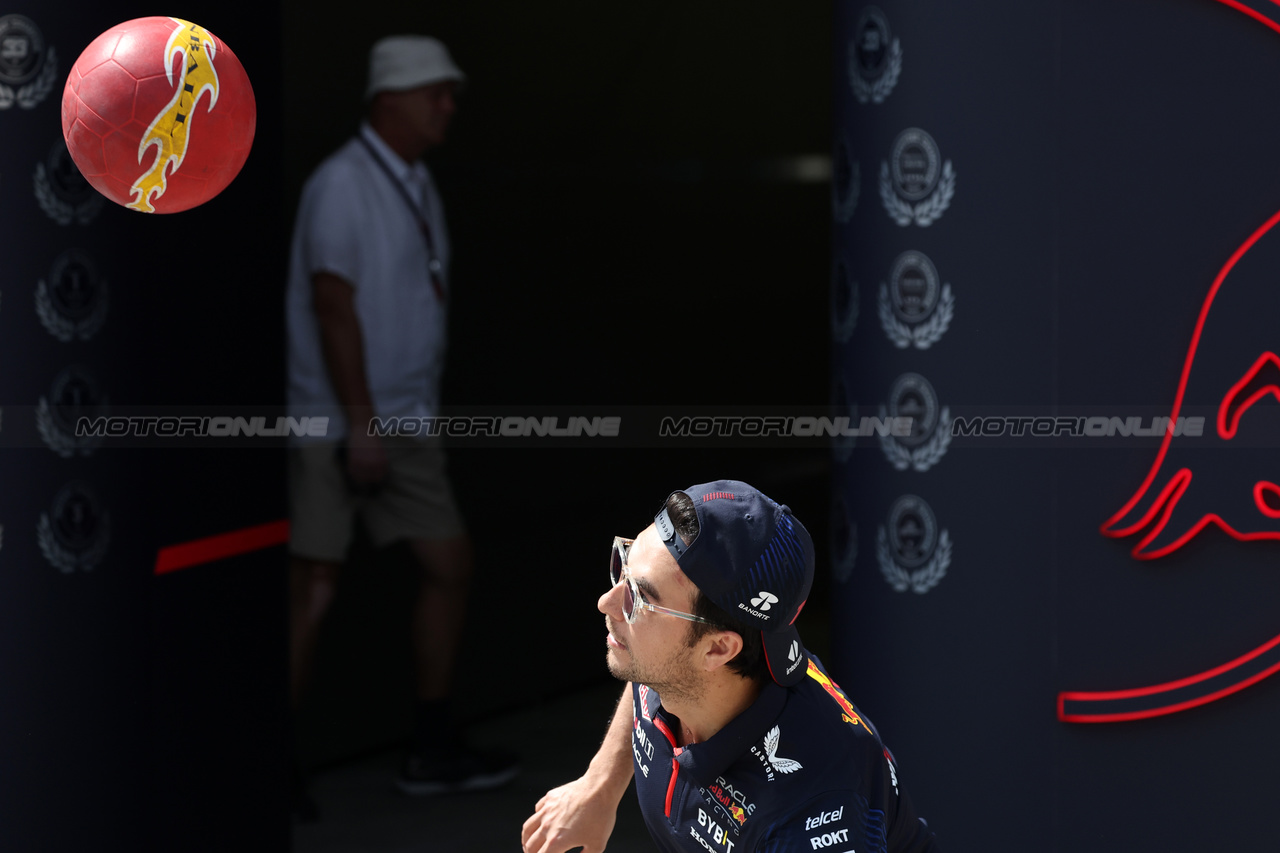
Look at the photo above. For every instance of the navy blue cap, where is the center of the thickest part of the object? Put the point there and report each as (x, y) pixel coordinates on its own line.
(753, 559)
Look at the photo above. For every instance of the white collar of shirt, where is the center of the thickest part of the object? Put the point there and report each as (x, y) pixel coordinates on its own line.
(414, 177)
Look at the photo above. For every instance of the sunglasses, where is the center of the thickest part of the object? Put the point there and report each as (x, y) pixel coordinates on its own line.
(632, 601)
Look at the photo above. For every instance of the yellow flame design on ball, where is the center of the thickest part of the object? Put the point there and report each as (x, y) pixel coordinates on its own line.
(170, 130)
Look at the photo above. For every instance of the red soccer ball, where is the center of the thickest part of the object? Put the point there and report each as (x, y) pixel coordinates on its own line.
(158, 114)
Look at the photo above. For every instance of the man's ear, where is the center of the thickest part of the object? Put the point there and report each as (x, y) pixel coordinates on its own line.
(720, 647)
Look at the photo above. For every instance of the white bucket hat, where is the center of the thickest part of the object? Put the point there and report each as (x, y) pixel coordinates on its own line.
(407, 62)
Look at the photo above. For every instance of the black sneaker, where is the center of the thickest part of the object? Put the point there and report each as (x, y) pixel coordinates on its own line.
(464, 770)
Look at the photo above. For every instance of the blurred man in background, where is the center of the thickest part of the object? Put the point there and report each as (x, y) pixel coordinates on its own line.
(366, 308)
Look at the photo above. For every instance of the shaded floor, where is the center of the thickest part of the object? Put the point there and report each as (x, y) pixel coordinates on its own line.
(361, 811)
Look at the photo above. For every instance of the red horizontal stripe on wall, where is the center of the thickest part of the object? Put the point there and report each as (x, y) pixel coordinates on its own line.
(219, 547)
(1169, 698)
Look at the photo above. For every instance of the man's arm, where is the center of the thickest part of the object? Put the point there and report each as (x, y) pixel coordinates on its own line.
(583, 812)
(342, 342)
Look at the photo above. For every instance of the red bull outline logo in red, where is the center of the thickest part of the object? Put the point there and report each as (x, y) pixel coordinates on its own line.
(1161, 508)
(1155, 506)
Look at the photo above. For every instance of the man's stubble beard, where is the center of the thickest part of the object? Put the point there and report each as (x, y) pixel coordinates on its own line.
(675, 679)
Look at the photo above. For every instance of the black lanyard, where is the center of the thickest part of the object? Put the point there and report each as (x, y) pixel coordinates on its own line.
(434, 267)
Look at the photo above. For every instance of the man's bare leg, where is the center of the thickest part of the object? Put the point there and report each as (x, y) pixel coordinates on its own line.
(440, 612)
(311, 589)
(440, 761)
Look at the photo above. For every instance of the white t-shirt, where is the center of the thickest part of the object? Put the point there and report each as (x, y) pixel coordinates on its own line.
(354, 223)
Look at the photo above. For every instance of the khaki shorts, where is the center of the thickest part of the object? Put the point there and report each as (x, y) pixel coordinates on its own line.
(414, 502)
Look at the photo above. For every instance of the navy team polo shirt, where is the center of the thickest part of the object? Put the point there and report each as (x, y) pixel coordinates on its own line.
(800, 770)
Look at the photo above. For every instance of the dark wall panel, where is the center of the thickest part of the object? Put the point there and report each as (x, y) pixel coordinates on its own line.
(124, 689)
(1105, 173)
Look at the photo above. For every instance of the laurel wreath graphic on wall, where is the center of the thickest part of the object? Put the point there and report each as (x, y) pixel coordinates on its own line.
(922, 579)
(64, 558)
(35, 91)
(842, 326)
(62, 328)
(924, 213)
(843, 209)
(879, 90)
(64, 212)
(926, 455)
(924, 335)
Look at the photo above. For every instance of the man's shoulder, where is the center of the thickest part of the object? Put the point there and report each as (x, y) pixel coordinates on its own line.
(818, 763)
(828, 726)
(818, 740)
(804, 765)
(343, 166)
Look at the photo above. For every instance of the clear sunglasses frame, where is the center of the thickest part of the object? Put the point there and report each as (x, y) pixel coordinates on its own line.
(619, 573)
